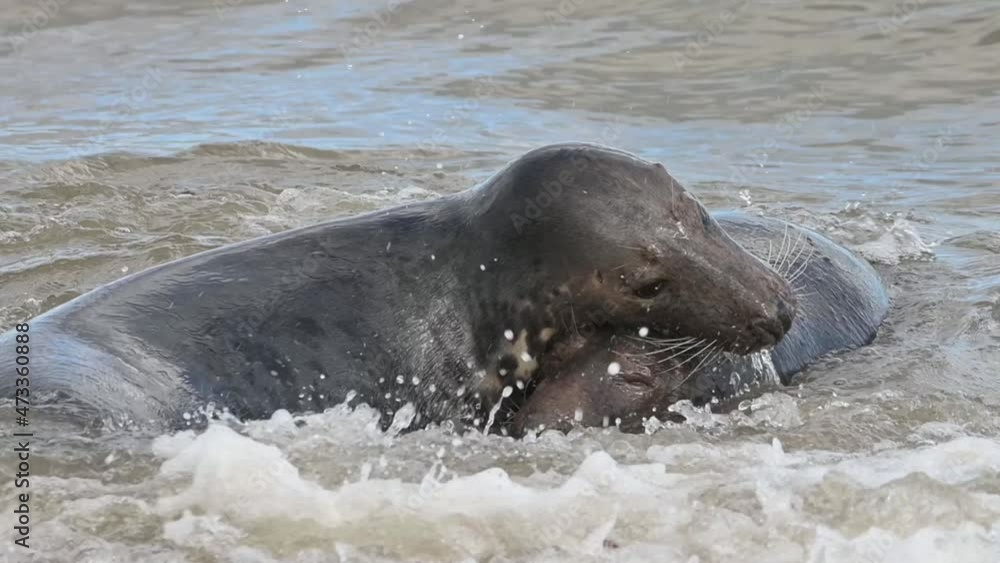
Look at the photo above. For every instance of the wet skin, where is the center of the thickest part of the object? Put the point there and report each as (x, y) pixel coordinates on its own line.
(842, 301)
(446, 304)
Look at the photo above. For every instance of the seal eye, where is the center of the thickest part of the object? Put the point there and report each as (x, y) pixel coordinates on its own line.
(650, 290)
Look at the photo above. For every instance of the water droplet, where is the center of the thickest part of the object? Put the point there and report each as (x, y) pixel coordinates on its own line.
(614, 368)
(643, 331)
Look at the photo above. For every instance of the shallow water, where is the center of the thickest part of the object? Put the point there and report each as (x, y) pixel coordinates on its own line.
(138, 132)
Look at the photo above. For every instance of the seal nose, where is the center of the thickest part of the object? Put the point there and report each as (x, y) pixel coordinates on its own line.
(769, 330)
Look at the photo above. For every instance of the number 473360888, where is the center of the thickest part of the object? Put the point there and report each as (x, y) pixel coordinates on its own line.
(21, 392)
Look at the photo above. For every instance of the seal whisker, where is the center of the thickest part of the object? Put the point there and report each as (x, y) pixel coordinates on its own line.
(707, 360)
(801, 293)
(655, 352)
(670, 345)
(709, 346)
(663, 346)
(659, 340)
(781, 249)
(572, 314)
(689, 348)
(795, 261)
(802, 258)
(681, 350)
(680, 341)
(782, 254)
(704, 360)
(786, 263)
(802, 267)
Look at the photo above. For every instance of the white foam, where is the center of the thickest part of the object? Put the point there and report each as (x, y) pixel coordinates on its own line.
(901, 241)
(755, 502)
(304, 488)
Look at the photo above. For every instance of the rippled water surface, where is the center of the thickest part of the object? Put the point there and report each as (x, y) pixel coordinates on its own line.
(137, 132)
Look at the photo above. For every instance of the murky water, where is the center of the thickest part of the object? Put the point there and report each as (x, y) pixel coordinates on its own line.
(138, 132)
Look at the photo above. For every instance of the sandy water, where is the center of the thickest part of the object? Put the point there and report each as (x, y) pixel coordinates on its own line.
(138, 132)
